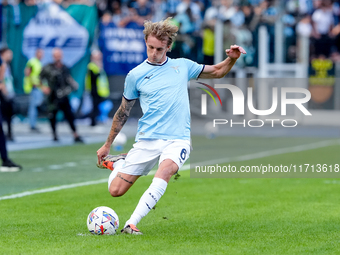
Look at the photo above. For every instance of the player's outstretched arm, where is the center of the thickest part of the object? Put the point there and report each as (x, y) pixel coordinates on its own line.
(118, 122)
(221, 69)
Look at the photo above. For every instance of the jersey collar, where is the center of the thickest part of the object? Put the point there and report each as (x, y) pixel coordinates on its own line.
(161, 64)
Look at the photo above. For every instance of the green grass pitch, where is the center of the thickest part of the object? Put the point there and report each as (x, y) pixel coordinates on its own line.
(195, 216)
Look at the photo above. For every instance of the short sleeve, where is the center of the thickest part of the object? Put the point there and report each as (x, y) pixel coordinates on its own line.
(130, 90)
(194, 69)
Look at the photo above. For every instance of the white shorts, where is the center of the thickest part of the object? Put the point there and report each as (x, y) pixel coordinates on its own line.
(145, 154)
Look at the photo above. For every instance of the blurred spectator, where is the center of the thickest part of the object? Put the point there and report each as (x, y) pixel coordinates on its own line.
(143, 10)
(248, 13)
(323, 22)
(289, 23)
(102, 7)
(96, 83)
(186, 21)
(7, 164)
(190, 22)
(336, 35)
(135, 11)
(241, 33)
(227, 10)
(255, 2)
(193, 11)
(269, 15)
(336, 12)
(132, 14)
(228, 34)
(264, 14)
(7, 92)
(66, 3)
(306, 7)
(208, 45)
(211, 14)
(106, 18)
(32, 86)
(30, 2)
(304, 26)
(245, 38)
(176, 50)
(171, 6)
(159, 10)
(238, 18)
(248, 18)
(209, 21)
(119, 12)
(60, 85)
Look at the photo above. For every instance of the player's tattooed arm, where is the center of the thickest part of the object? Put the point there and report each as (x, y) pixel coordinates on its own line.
(120, 118)
(118, 122)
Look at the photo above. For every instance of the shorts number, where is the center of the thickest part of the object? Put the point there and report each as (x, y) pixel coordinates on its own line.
(183, 154)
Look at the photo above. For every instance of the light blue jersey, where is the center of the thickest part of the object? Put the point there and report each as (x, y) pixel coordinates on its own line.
(163, 94)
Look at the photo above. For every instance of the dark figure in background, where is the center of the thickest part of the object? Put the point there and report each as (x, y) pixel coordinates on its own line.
(7, 164)
(7, 92)
(60, 85)
(323, 23)
(96, 83)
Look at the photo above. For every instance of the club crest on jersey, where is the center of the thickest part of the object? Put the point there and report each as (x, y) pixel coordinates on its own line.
(176, 68)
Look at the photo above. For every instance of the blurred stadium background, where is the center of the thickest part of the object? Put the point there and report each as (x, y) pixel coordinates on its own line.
(290, 38)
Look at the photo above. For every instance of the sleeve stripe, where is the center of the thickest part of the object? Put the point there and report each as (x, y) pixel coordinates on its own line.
(129, 99)
(200, 72)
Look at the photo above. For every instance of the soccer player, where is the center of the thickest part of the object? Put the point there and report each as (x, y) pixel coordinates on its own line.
(163, 135)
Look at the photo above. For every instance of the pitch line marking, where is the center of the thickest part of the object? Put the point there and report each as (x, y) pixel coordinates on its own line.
(263, 154)
(52, 189)
(61, 166)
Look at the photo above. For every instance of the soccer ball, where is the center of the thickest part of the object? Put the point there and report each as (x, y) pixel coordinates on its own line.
(103, 221)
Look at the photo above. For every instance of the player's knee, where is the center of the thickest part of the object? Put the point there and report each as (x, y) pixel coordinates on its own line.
(167, 171)
(116, 192)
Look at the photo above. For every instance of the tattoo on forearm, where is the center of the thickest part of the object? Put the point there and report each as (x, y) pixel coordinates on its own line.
(119, 176)
(120, 118)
